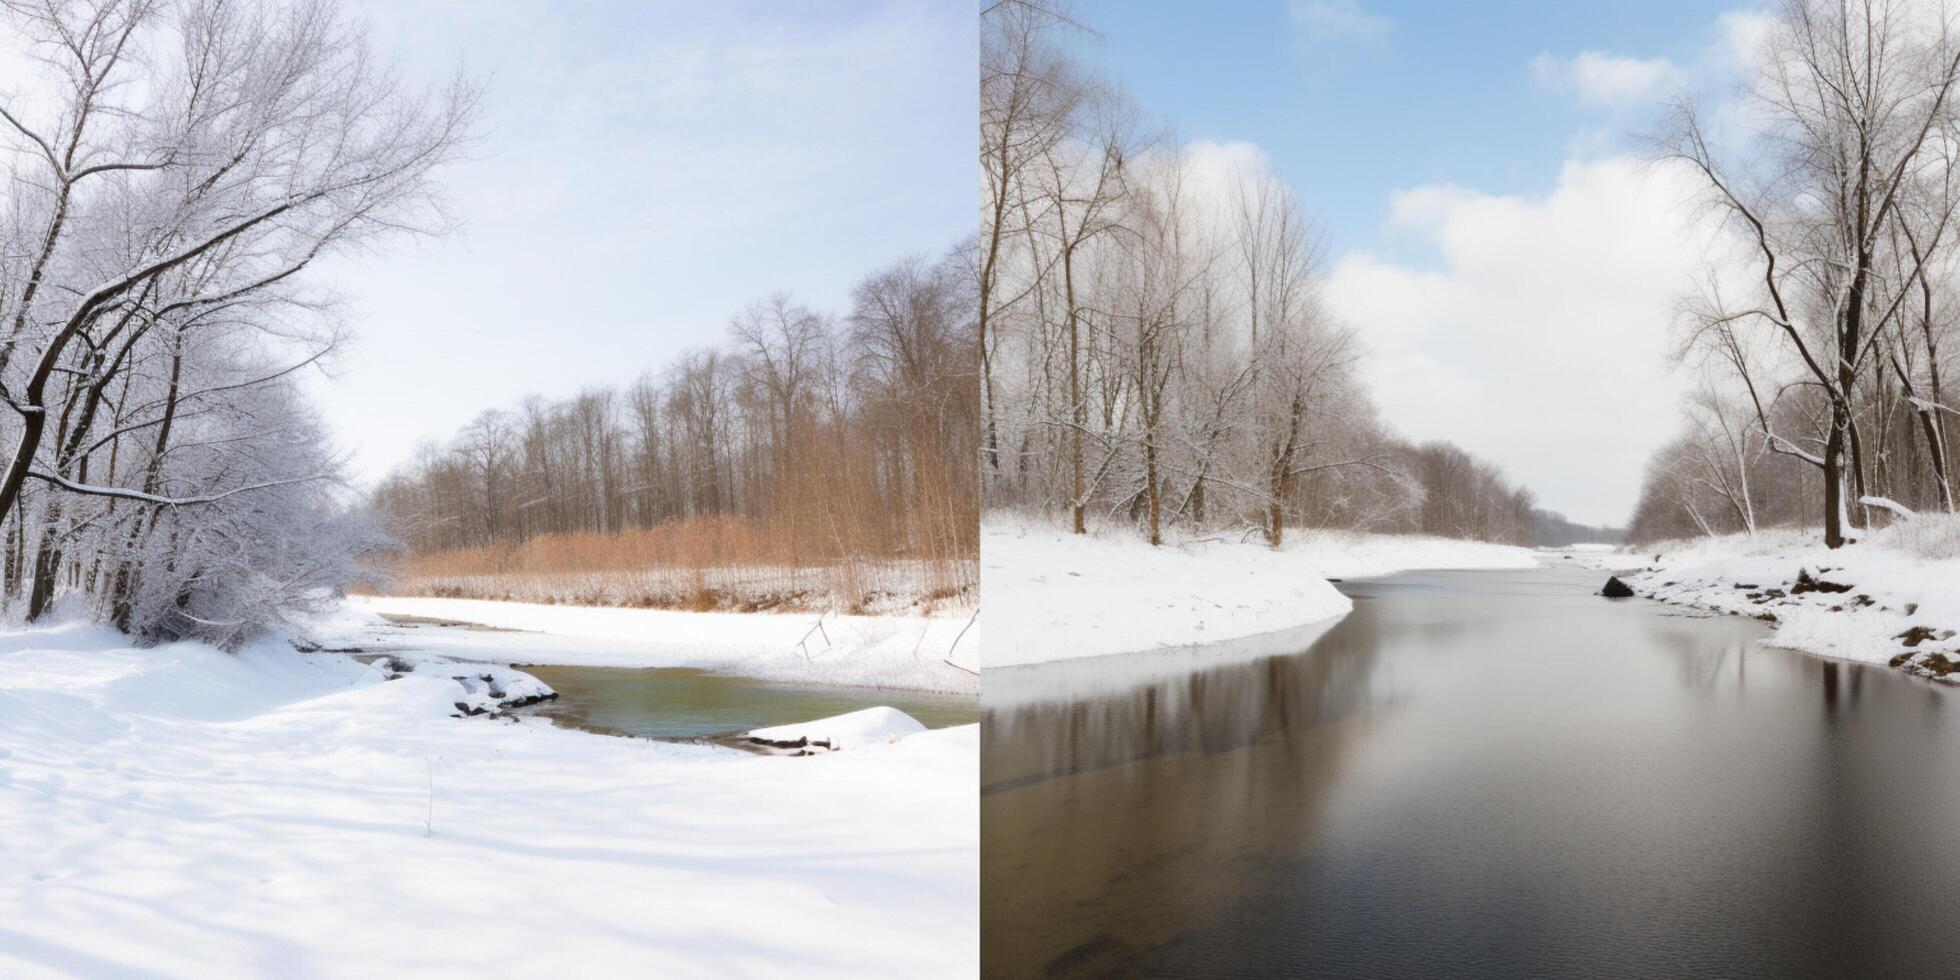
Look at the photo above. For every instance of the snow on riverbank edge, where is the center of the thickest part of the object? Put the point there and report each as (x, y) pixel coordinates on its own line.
(1083, 678)
(182, 811)
(851, 730)
(926, 653)
(1893, 598)
(1058, 596)
(1353, 554)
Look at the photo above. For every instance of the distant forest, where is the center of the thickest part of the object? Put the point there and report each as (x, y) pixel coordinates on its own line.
(805, 441)
(1156, 351)
(1554, 531)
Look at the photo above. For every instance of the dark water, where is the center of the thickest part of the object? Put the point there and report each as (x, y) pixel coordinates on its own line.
(684, 703)
(1481, 774)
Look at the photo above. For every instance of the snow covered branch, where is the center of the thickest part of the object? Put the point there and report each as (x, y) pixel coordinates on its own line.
(160, 500)
(1891, 505)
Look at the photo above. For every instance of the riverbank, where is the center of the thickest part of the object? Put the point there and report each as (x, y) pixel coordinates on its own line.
(1892, 598)
(870, 587)
(927, 653)
(1081, 596)
(186, 812)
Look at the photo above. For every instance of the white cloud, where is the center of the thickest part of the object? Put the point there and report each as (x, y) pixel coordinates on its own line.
(1541, 339)
(1423, 208)
(1600, 78)
(1744, 34)
(1738, 52)
(1213, 170)
(1337, 20)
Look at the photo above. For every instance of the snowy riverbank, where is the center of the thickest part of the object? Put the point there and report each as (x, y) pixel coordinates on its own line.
(1352, 554)
(1075, 596)
(183, 812)
(908, 652)
(1892, 598)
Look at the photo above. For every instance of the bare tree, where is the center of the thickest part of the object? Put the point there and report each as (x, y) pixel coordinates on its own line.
(174, 169)
(1028, 95)
(805, 442)
(1155, 329)
(1856, 99)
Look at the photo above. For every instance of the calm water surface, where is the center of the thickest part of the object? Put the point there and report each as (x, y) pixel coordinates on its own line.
(1479, 774)
(684, 703)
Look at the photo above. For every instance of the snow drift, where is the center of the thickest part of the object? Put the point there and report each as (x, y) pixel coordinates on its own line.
(1892, 598)
(854, 729)
(1061, 596)
(180, 811)
(927, 653)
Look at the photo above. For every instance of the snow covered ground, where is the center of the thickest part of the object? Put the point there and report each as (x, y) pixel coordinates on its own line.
(1892, 598)
(910, 652)
(855, 729)
(183, 812)
(1058, 596)
(1350, 554)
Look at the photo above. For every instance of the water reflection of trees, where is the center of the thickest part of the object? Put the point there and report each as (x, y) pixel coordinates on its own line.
(1795, 802)
(1091, 873)
(1204, 711)
(1848, 768)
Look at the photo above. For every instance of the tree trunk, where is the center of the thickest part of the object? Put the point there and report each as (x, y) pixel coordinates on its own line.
(47, 562)
(128, 575)
(1280, 479)
(1078, 409)
(11, 571)
(1834, 503)
(1929, 425)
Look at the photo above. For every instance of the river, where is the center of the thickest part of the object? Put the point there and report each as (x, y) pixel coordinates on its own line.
(1477, 774)
(683, 703)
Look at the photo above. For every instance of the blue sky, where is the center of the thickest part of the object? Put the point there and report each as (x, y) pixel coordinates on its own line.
(648, 167)
(1506, 246)
(1438, 93)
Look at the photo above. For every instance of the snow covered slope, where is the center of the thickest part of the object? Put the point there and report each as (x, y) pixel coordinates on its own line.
(1351, 554)
(184, 812)
(865, 651)
(851, 730)
(1893, 597)
(1051, 595)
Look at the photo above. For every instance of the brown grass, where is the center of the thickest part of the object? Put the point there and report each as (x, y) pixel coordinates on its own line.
(702, 564)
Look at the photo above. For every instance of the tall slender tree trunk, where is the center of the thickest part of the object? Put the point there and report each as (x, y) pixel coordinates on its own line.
(1078, 409)
(1842, 441)
(1279, 481)
(128, 572)
(11, 560)
(47, 561)
(988, 271)
(1834, 502)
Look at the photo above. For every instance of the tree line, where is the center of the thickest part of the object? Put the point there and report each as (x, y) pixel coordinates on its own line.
(826, 439)
(173, 168)
(1822, 339)
(1156, 349)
